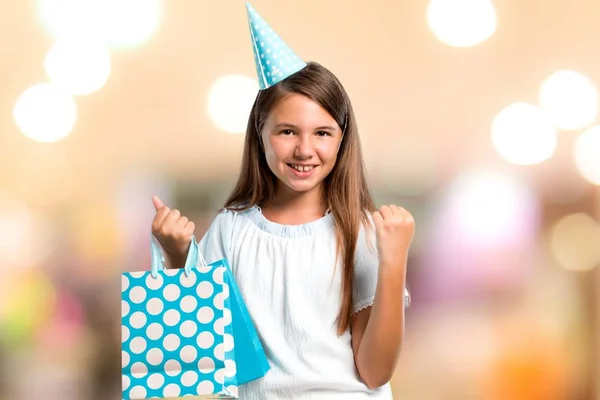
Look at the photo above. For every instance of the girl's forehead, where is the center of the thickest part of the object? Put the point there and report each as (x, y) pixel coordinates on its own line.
(299, 108)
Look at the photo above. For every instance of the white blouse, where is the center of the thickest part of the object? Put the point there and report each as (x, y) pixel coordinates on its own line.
(291, 285)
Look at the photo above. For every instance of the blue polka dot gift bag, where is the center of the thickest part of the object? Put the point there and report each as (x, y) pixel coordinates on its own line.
(186, 332)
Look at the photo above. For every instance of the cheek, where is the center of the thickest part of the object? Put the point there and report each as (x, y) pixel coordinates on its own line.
(274, 156)
(276, 151)
(271, 159)
(327, 152)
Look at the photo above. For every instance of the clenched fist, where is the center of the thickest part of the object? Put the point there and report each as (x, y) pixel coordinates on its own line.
(394, 230)
(173, 231)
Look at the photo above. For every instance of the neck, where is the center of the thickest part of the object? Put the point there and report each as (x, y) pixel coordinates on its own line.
(309, 202)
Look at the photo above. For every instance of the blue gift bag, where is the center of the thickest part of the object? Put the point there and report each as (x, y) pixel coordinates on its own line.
(186, 332)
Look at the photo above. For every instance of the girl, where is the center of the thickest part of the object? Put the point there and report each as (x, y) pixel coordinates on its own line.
(321, 271)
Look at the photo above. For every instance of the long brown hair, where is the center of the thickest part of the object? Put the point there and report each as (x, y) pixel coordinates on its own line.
(345, 188)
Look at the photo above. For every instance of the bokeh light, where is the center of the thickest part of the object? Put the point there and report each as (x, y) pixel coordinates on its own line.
(462, 23)
(25, 236)
(78, 65)
(120, 23)
(45, 113)
(15, 221)
(64, 326)
(27, 303)
(490, 208)
(230, 100)
(571, 99)
(524, 134)
(587, 154)
(129, 23)
(481, 237)
(528, 364)
(70, 18)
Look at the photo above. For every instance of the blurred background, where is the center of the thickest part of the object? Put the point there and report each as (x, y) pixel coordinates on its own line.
(478, 116)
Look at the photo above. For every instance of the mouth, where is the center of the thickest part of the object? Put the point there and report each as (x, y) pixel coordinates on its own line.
(302, 171)
(302, 168)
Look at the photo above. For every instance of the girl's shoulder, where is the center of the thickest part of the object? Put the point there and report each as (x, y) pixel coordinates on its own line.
(226, 217)
(236, 210)
(215, 243)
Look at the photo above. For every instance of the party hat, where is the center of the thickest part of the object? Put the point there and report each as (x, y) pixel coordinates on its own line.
(274, 60)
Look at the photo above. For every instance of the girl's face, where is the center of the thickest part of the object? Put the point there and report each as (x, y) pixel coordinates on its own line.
(301, 142)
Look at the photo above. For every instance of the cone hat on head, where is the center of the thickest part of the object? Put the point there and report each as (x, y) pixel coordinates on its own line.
(274, 60)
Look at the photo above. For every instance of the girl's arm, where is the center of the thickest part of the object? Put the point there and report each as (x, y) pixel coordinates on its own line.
(378, 331)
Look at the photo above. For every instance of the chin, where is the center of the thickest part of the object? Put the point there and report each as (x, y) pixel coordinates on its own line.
(302, 187)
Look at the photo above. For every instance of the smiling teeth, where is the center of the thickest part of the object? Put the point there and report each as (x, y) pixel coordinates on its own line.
(302, 168)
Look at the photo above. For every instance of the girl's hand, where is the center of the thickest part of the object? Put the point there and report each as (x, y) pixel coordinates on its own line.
(394, 229)
(173, 231)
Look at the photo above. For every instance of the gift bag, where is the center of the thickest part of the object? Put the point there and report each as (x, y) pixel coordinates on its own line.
(186, 332)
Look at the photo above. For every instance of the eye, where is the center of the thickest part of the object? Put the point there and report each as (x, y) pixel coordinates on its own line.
(287, 132)
(323, 133)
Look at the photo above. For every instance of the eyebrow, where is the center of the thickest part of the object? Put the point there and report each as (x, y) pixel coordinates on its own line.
(288, 125)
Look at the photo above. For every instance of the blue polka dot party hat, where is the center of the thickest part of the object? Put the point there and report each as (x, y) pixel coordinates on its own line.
(274, 60)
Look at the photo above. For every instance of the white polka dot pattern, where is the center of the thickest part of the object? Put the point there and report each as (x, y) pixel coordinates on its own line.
(273, 58)
(177, 334)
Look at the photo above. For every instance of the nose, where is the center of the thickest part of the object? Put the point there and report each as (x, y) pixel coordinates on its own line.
(304, 147)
